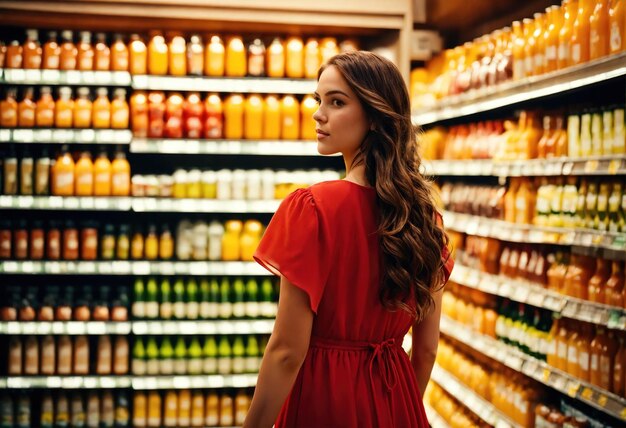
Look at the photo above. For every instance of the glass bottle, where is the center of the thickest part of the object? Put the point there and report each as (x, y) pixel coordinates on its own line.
(138, 55)
(102, 53)
(617, 27)
(195, 56)
(83, 109)
(599, 42)
(64, 108)
(26, 109)
(235, 62)
(31, 50)
(157, 55)
(85, 57)
(214, 57)
(120, 55)
(580, 33)
(51, 55)
(256, 58)
(44, 109)
(69, 52)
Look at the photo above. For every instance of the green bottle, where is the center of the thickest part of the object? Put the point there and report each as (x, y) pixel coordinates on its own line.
(253, 361)
(194, 364)
(152, 299)
(180, 356)
(224, 357)
(165, 308)
(214, 299)
(152, 357)
(139, 357)
(205, 296)
(179, 299)
(239, 298)
(138, 308)
(238, 352)
(268, 301)
(166, 357)
(209, 356)
(192, 299)
(252, 298)
(226, 306)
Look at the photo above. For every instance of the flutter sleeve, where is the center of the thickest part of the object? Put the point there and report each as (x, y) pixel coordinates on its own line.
(293, 245)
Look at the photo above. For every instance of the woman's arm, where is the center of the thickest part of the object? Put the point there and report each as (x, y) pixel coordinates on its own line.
(284, 355)
(425, 342)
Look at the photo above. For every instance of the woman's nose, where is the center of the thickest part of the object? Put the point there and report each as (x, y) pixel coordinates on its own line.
(318, 116)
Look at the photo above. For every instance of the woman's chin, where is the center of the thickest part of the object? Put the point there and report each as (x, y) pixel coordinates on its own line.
(324, 150)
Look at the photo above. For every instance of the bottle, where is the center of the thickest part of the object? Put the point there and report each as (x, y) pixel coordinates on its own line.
(253, 117)
(26, 173)
(179, 307)
(14, 55)
(9, 109)
(69, 52)
(539, 59)
(294, 58)
(120, 55)
(62, 410)
(83, 109)
(139, 367)
(101, 110)
(192, 307)
(603, 349)
(138, 308)
(617, 27)
(195, 56)
(580, 33)
(177, 56)
(51, 54)
(120, 174)
(165, 306)
(242, 404)
(209, 356)
(290, 118)
(47, 411)
(272, 122)
(597, 149)
(102, 175)
(195, 360)
(120, 355)
(197, 409)
(233, 116)
(256, 58)
(252, 355)
(213, 117)
(85, 57)
(139, 409)
(591, 206)
(571, 361)
(166, 244)
(226, 411)
(615, 285)
(170, 409)
(151, 299)
(251, 299)
(166, 357)
(268, 301)
(214, 57)
(26, 109)
(137, 246)
(157, 55)
(235, 58)
(120, 115)
(152, 357)
(311, 58)
(102, 54)
(212, 409)
(328, 48)
(64, 108)
(238, 356)
(63, 174)
(139, 114)
(173, 126)
(83, 175)
(180, 357)
(138, 55)
(238, 298)
(276, 59)
(193, 111)
(619, 370)
(224, 360)
(103, 364)
(154, 409)
(225, 306)
(308, 107)
(599, 43)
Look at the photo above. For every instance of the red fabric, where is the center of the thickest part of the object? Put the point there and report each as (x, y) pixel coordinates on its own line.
(323, 240)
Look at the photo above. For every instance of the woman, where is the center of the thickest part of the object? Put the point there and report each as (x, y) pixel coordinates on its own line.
(361, 260)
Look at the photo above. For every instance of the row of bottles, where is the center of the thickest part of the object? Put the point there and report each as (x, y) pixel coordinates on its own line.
(454, 413)
(68, 355)
(175, 55)
(574, 33)
(65, 302)
(61, 408)
(590, 133)
(187, 408)
(216, 355)
(155, 115)
(225, 184)
(208, 298)
(85, 108)
(70, 174)
(470, 307)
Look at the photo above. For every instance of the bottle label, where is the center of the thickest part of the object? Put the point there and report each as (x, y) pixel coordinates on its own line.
(211, 419)
(166, 310)
(594, 362)
(583, 360)
(139, 366)
(205, 310)
(576, 53)
(562, 350)
(224, 365)
(64, 179)
(225, 310)
(195, 366)
(551, 53)
(179, 310)
(192, 310)
(239, 365)
(239, 309)
(615, 38)
(252, 309)
(152, 367)
(572, 355)
(180, 366)
(166, 366)
(602, 203)
(209, 365)
(152, 309)
(53, 61)
(252, 364)
(139, 310)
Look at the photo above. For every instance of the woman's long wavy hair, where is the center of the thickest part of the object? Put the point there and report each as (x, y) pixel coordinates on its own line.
(411, 239)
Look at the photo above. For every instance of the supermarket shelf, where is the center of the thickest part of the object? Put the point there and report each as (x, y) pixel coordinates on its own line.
(203, 327)
(601, 399)
(224, 147)
(204, 205)
(470, 399)
(530, 234)
(65, 382)
(69, 327)
(71, 77)
(66, 136)
(246, 85)
(66, 203)
(536, 295)
(132, 268)
(533, 88)
(198, 381)
(435, 420)
(587, 166)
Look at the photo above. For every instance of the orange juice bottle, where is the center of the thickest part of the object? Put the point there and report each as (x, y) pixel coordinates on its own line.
(139, 114)
(44, 112)
(230, 240)
(308, 107)
(571, 361)
(561, 344)
(583, 343)
(177, 56)
(597, 284)
(552, 348)
(63, 174)
(617, 27)
(256, 58)
(174, 116)
(311, 58)
(31, 50)
(85, 52)
(83, 109)
(619, 370)
(233, 116)
(599, 30)
(156, 114)
(580, 33)
(570, 10)
(26, 109)
(138, 55)
(518, 51)
(102, 175)
(157, 55)
(120, 56)
(51, 56)
(192, 116)
(120, 175)
(102, 110)
(102, 53)
(290, 118)
(195, 56)
(551, 37)
(235, 57)
(539, 61)
(213, 123)
(69, 52)
(83, 175)
(119, 110)
(276, 59)
(272, 118)
(615, 285)
(64, 109)
(8, 109)
(328, 49)
(529, 46)
(603, 349)
(253, 117)
(214, 57)
(14, 57)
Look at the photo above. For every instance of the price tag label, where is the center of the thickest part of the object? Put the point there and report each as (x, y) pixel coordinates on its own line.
(587, 393)
(572, 388)
(602, 400)
(622, 413)
(591, 166)
(545, 375)
(614, 166)
(536, 298)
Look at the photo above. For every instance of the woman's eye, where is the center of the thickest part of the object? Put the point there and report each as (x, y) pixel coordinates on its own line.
(337, 103)
(317, 100)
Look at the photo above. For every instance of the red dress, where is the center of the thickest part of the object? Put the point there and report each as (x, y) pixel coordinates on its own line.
(323, 240)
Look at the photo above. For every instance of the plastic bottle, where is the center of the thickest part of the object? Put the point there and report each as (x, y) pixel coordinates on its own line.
(83, 175)
(214, 57)
(157, 55)
(64, 108)
(83, 109)
(235, 62)
(120, 55)
(44, 110)
(617, 27)
(102, 53)
(138, 58)
(85, 57)
(177, 56)
(102, 110)
(26, 109)
(120, 175)
(32, 52)
(51, 56)
(599, 30)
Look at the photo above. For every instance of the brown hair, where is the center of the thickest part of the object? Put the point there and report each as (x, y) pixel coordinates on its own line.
(411, 240)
